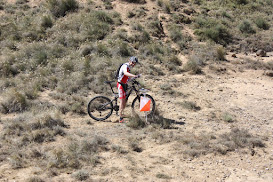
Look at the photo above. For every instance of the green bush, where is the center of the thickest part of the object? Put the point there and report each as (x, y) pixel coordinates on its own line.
(81, 175)
(210, 28)
(15, 102)
(262, 24)
(60, 8)
(156, 27)
(194, 65)
(34, 179)
(103, 17)
(218, 34)
(228, 118)
(246, 27)
(240, 1)
(190, 106)
(97, 30)
(123, 49)
(176, 34)
(46, 22)
(221, 54)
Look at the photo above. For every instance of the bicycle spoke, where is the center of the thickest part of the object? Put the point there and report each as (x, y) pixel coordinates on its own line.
(100, 108)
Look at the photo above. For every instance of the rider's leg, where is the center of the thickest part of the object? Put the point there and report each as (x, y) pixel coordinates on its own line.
(121, 107)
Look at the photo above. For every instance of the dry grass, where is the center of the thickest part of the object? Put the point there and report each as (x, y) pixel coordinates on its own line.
(222, 144)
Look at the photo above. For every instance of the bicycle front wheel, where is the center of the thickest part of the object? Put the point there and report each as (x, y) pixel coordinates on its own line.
(136, 106)
(100, 108)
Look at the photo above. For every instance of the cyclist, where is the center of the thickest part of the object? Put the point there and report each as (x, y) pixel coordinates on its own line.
(123, 76)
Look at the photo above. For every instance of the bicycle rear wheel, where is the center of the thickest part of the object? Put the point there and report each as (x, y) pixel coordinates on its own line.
(136, 106)
(100, 108)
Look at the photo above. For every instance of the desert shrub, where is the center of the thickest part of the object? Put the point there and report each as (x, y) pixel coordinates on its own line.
(156, 27)
(136, 1)
(68, 66)
(103, 17)
(46, 22)
(222, 144)
(134, 144)
(85, 50)
(221, 54)
(140, 38)
(108, 4)
(240, 139)
(15, 127)
(7, 68)
(176, 34)
(193, 65)
(16, 161)
(102, 49)
(78, 152)
(81, 175)
(34, 179)
(174, 60)
(47, 121)
(62, 159)
(218, 34)
(190, 106)
(256, 65)
(118, 149)
(211, 28)
(227, 117)
(60, 8)
(262, 24)
(15, 102)
(240, 1)
(166, 5)
(138, 27)
(165, 86)
(21, 1)
(226, 15)
(31, 93)
(198, 2)
(156, 50)
(131, 14)
(136, 122)
(180, 18)
(246, 27)
(122, 48)
(162, 176)
(152, 70)
(158, 119)
(43, 135)
(77, 107)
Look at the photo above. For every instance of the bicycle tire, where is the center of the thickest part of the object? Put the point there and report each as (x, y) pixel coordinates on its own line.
(99, 104)
(136, 105)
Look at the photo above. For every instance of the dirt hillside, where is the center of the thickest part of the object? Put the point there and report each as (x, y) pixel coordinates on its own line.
(221, 121)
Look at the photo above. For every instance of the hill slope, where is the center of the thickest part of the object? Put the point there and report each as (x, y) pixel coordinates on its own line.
(199, 60)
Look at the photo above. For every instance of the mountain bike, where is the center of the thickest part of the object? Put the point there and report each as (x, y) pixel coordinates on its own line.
(101, 107)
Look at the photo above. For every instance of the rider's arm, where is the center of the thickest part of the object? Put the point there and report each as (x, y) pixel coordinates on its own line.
(126, 73)
(129, 74)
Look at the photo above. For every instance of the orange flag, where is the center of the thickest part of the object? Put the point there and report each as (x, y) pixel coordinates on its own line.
(145, 104)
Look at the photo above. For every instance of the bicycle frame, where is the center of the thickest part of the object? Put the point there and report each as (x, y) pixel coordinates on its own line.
(128, 93)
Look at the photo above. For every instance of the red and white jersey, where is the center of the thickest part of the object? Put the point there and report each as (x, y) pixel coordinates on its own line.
(121, 77)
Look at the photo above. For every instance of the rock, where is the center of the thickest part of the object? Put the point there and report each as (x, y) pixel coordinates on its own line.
(269, 73)
(234, 56)
(261, 53)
